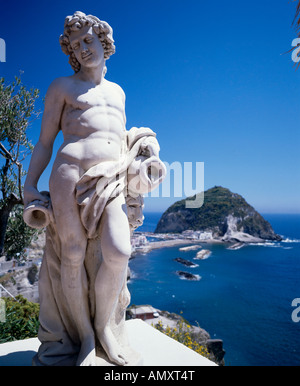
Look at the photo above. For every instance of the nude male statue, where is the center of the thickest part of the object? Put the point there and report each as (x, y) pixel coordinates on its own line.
(90, 111)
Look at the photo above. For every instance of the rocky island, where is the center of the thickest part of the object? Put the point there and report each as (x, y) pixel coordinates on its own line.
(185, 262)
(226, 215)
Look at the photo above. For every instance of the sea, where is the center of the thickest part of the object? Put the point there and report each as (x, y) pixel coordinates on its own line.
(246, 297)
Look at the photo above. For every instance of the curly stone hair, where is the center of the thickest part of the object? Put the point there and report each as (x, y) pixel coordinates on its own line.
(101, 28)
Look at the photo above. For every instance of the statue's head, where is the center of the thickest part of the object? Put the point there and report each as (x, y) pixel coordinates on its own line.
(76, 22)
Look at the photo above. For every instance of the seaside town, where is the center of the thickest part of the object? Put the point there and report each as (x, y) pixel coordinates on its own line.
(146, 241)
(141, 242)
(25, 272)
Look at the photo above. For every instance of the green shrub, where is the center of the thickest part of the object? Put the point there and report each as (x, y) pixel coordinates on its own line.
(182, 333)
(21, 320)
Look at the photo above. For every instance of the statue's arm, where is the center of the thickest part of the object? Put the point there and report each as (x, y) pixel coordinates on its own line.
(54, 104)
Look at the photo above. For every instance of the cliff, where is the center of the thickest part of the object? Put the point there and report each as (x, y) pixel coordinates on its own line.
(227, 215)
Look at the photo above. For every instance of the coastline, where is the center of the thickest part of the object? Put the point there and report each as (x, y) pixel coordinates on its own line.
(240, 291)
(12, 272)
(163, 244)
(173, 240)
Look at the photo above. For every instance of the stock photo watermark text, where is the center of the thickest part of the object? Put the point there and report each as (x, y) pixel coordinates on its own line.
(183, 180)
(2, 311)
(296, 312)
(2, 50)
(152, 375)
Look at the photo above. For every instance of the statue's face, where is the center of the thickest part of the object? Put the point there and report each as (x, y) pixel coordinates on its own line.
(87, 47)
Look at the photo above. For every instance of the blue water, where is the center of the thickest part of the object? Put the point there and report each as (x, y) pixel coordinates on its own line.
(244, 296)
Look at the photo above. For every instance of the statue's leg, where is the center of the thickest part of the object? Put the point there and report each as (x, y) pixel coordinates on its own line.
(73, 249)
(116, 250)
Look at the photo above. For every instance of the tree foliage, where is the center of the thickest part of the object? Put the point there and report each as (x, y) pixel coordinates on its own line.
(17, 110)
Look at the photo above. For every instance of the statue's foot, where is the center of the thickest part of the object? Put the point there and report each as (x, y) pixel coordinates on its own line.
(111, 347)
(87, 354)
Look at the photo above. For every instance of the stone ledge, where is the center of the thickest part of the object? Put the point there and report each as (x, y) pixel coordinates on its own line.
(156, 349)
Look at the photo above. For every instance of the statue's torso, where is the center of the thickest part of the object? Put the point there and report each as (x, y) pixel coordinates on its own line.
(93, 124)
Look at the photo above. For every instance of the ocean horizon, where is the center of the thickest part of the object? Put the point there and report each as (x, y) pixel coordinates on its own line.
(243, 297)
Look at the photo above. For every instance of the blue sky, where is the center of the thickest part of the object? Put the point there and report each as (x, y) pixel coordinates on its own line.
(209, 77)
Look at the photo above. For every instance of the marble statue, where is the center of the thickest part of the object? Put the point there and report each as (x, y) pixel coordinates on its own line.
(98, 179)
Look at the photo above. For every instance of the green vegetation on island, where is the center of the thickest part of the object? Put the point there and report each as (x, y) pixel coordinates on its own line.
(222, 213)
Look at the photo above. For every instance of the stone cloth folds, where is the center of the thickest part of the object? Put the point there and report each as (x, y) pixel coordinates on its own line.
(59, 337)
(103, 182)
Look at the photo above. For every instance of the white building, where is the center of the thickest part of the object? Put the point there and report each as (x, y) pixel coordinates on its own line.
(197, 235)
(138, 241)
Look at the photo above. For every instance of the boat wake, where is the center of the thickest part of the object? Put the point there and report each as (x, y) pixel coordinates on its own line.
(288, 240)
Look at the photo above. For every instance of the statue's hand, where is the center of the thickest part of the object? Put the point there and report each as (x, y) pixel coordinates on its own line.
(32, 194)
